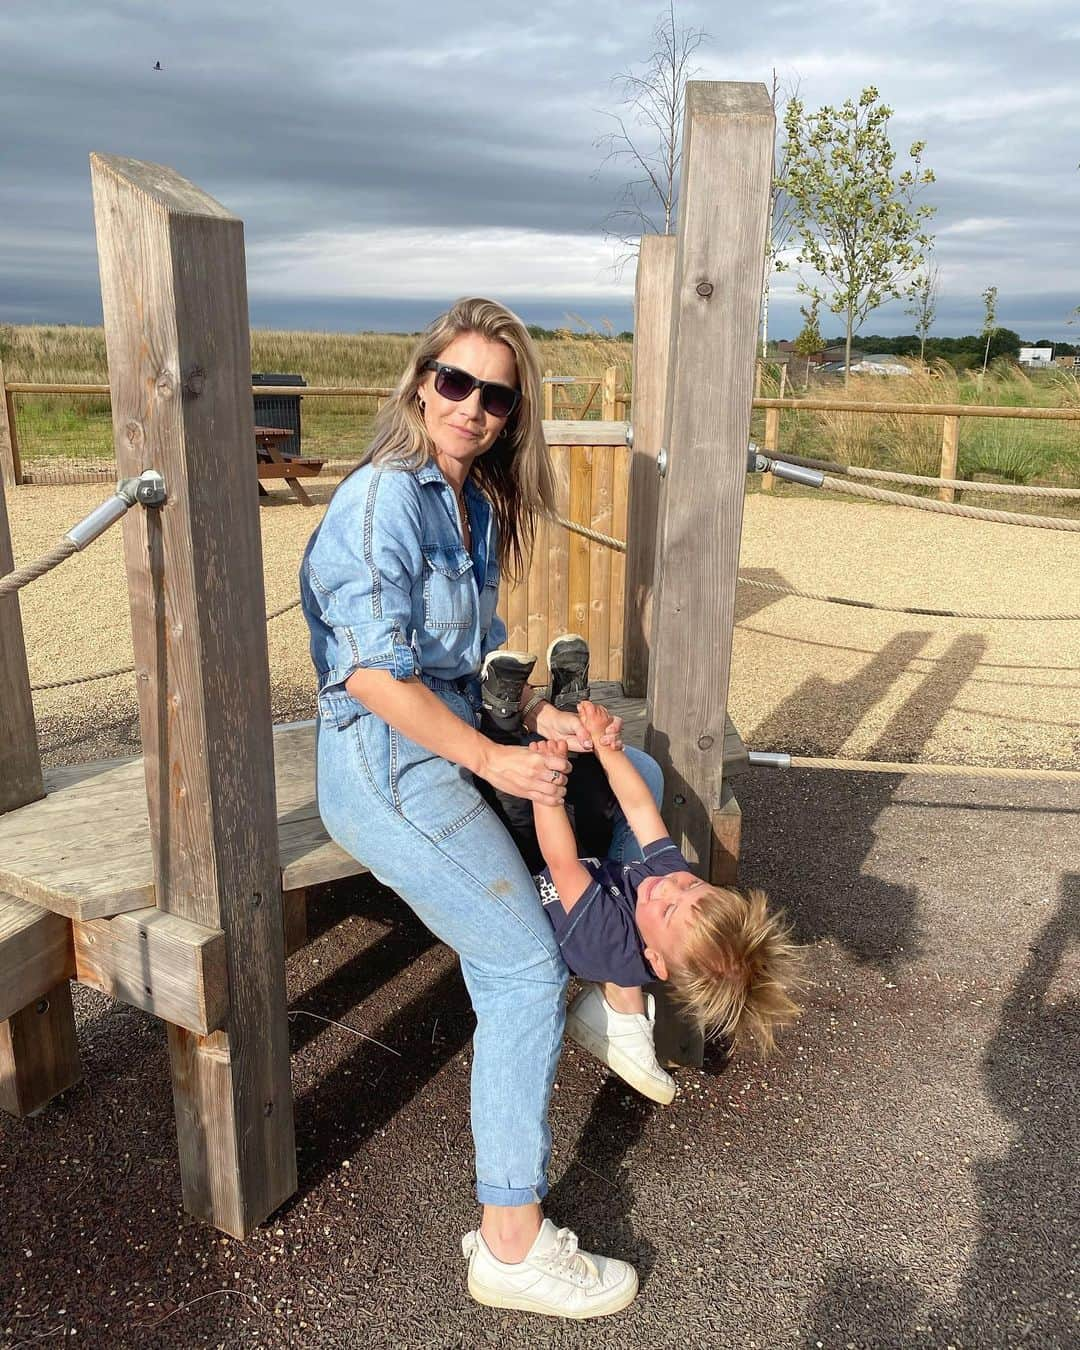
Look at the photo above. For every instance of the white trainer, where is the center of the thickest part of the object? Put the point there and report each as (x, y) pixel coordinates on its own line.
(623, 1041)
(554, 1278)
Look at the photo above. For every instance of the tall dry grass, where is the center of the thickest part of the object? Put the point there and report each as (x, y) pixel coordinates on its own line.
(79, 428)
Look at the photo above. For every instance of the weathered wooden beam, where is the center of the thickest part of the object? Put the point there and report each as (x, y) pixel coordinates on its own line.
(39, 1057)
(158, 962)
(723, 216)
(20, 762)
(35, 953)
(585, 433)
(726, 840)
(174, 295)
(10, 466)
(652, 336)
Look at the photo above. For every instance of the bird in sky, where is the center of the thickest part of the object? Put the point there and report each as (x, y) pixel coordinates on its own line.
(157, 65)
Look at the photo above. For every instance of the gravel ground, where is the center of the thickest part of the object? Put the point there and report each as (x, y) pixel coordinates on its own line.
(902, 1173)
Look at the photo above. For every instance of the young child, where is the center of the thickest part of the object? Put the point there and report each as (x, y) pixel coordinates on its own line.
(728, 961)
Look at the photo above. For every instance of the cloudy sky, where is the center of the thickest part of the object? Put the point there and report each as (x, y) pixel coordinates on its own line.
(386, 158)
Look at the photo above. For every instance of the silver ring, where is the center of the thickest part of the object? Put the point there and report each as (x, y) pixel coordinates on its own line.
(554, 775)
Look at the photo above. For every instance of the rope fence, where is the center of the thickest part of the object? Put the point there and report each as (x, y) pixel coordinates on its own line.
(921, 480)
(949, 508)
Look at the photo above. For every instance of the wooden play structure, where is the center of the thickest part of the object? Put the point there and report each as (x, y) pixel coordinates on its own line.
(176, 881)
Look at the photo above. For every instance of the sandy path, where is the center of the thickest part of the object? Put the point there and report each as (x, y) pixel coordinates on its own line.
(807, 677)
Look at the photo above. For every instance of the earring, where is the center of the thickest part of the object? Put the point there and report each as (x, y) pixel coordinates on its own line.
(421, 404)
(503, 434)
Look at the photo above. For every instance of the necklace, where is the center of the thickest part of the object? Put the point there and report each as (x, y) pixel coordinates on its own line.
(466, 528)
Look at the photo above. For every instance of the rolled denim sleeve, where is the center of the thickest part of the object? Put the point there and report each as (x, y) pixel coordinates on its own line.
(362, 569)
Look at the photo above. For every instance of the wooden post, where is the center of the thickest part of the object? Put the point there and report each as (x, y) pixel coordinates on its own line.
(10, 466)
(723, 215)
(20, 763)
(608, 394)
(783, 381)
(174, 296)
(652, 328)
(950, 454)
(38, 1053)
(772, 444)
(549, 398)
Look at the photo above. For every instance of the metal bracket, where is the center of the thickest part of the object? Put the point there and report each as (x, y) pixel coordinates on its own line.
(148, 490)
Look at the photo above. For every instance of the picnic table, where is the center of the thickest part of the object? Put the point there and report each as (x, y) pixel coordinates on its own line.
(274, 462)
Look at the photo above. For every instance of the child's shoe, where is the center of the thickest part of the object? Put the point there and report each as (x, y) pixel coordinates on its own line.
(554, 1278)
(624, 1041)
(568, 662)
(503, 676)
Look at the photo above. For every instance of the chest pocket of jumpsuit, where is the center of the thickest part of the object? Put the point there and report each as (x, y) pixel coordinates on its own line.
(449, 589)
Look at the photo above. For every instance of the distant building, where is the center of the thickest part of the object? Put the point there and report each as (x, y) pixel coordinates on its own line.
(880, 363)
(1065, 362)
(1036, 356)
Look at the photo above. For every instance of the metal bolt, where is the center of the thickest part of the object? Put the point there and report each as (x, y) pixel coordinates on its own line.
(704, 289)
(268, 1109)
(256, 899)
(42, 1005)
(680, 800)
(661, 462)
(705, 742)
(629, 436)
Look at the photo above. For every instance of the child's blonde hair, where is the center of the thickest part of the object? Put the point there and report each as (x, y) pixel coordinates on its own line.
(738, 969)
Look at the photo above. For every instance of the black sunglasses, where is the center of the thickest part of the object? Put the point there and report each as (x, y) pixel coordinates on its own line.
(450, 382)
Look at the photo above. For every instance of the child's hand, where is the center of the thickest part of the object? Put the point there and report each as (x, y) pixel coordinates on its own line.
(553, 747)
(598, 722)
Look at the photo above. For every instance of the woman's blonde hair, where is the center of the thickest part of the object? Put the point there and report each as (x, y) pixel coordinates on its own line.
(516, 473)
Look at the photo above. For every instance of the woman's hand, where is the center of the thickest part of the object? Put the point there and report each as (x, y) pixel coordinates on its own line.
(538, 772)
(552, 724)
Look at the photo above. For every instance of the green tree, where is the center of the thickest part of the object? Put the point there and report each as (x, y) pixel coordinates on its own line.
(924, 298)
(989, 327)
(861, 228)
(809, 341)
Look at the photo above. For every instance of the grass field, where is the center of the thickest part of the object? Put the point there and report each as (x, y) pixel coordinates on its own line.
(73, 429)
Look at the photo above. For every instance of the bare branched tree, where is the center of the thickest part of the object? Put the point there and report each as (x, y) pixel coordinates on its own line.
(781, 206)
(647, 136)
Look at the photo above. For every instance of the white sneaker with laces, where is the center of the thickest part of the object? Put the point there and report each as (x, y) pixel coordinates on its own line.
(623, 1041)
(554, 1278)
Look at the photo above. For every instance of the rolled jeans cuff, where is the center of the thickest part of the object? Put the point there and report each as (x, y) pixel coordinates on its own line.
(510, 1195)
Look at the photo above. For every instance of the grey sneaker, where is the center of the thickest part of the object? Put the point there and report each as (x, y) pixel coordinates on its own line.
(568, 661)
(503, 676)
(554, 1278)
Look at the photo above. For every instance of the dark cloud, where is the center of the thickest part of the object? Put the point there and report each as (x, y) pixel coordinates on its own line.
(348, 119)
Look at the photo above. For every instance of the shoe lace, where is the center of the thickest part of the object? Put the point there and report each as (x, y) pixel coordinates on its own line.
(563, 1258)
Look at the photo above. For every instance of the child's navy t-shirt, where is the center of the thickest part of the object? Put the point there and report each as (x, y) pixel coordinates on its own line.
(598, 938)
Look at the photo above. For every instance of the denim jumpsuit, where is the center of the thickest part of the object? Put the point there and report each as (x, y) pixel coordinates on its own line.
(386, 583)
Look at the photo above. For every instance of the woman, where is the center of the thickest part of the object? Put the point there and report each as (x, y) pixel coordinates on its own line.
(399, 586)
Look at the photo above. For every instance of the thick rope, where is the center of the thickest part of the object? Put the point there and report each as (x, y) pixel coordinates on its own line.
(22, 576)
(962, 484)
(936, 770)
(608, 540)
(890, 476)
(949, 508)
(905, 609)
